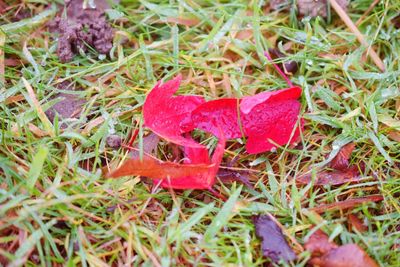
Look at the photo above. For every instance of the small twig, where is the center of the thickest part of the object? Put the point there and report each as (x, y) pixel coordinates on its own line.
(353, 28)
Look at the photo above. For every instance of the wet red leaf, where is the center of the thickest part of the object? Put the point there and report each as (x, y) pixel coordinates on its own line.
(266, 118)
(269, 118)
(274, 245)
(170, 116)
(218, 116)
(199, 180)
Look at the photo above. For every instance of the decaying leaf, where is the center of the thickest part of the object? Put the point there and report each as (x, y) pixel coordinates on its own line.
(342, 173)
(274, 244)
(356, 223)
(341, 161)
(350, 255)
(335, 177)
(312, 8)
(328, 254)
(318, 244)
(316, 8)
(348, 203)
(289, 67)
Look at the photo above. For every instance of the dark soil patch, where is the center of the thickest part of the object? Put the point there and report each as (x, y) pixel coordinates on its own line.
(82, 28)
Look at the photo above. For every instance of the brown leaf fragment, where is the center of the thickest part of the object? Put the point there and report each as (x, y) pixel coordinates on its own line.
(347, 204)
(289, 67)
(336, 177)
(314, 8)
(356, 223)
(325, 253)
(183, 21)
(150, 143)
(396, 21)
(273, 244)
(114, 141)
(341, 161)
(228, 175)
(350, 255)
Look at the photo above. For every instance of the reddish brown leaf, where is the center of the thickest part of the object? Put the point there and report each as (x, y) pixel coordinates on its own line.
(183, 21)
(319, 244)
(350, 255)
(356, 223)
(156, 169)
(347, 204)
(341, 161)
(328, 254)
(336, 177)
(274, 245)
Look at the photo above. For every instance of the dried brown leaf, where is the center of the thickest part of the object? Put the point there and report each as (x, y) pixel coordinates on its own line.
(356, 223)
(319, 244)
(347, 204)
(336, 177)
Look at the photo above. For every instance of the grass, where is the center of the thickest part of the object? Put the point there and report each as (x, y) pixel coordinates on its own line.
(57, 209)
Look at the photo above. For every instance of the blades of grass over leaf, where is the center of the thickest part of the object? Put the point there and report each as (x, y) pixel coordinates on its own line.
(36, 167)
(223, 216)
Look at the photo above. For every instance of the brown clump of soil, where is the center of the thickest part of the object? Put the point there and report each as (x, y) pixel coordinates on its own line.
(82, 28)
(69, 106)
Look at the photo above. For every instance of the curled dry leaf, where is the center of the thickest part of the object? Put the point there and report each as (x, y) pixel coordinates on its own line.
(289, 67)
(356, 223)
(348, 203)
(341, 161)
(273, 242)
(342, 173)
(335, 177)
(328, 254)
